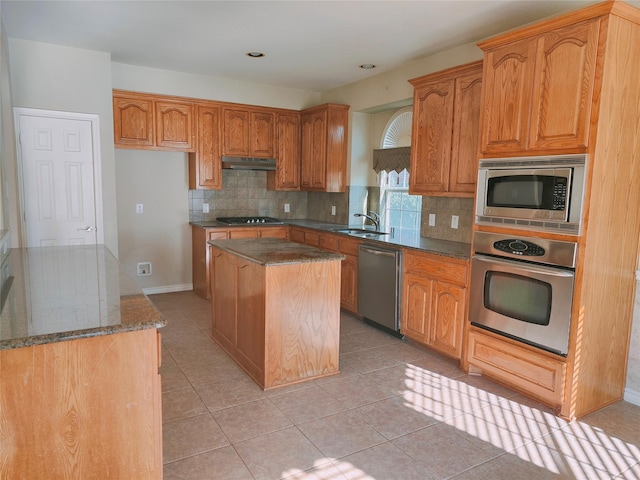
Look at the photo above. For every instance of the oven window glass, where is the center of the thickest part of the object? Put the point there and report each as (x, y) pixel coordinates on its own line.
(515, 296)
(524, 191)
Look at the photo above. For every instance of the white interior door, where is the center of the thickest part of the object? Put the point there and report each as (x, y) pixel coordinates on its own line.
(60, 178)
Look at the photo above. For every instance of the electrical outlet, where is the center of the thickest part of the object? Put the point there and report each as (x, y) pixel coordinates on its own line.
(432, 219)
(454, 221)
(205, 208)
(139, 208)
(333, 209)
(144, 268)
(287, 208)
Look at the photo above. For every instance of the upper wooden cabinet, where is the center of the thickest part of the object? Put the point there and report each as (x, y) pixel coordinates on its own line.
(538, 91)
(324, 148)
(149, 122)
(287, 174)
(248, 132)
(446, 119)
(205, 167)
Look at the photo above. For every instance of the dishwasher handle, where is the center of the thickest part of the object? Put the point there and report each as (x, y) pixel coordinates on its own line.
(378, 251)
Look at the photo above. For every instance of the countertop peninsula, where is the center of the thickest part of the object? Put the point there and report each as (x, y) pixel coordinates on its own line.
(50, 294)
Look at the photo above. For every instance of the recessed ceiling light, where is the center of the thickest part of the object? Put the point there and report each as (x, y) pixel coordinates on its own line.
(367, 66)
(255, 54)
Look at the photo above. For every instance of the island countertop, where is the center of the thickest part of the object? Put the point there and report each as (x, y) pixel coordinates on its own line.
(274, 251)
(50, 294)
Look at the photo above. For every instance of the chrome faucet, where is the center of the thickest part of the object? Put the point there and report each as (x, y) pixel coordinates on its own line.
(373, 217)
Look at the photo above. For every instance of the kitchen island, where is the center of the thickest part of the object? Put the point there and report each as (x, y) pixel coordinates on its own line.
(80, 391)
(276, 308)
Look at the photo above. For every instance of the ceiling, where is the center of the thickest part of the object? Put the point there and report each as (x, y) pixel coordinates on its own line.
(308, 45)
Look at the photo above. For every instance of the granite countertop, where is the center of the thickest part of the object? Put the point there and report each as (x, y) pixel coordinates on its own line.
(274, 251)
(51, 294)
(444, 248)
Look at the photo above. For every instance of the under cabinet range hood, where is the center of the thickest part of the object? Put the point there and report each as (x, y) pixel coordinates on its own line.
(248, 163)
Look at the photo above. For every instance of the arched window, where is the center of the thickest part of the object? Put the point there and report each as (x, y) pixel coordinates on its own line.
(398, 209)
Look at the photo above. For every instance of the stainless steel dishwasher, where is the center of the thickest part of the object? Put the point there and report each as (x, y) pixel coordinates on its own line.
(379, 270)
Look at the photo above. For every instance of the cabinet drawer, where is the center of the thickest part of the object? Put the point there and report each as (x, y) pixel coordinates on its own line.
(432, 266)
(217, 235)
(348, 246)
(329, 242)
(534, 373)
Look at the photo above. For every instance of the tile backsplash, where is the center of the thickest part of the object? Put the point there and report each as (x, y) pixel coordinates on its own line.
(244, 193)
(444, 208)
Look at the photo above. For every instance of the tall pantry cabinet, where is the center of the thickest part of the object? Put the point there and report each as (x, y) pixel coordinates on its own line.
(571, 84)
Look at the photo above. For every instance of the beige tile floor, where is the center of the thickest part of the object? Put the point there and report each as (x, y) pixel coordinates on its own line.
(395, 412)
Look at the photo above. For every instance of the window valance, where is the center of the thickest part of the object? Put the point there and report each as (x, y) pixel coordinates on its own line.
(390, 159)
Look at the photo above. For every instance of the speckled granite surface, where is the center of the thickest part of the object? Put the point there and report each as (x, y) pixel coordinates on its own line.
(50, 294)
(437, 247)
(274, 251)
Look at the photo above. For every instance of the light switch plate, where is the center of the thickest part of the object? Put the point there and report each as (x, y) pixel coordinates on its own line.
(205, 208)
(432, 219)
(454, 221)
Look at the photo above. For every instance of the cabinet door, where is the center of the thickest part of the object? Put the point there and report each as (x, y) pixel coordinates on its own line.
(349, 283)
(251, 315)
(205, 168)
(287, 174)
(417, 307)
(175, 125)
(506, 102)
(314, 151)
(297, 235)
(563, 86)
(447, 317)
(223, 288)
(133, 121)
(431, 141)
(466, 130)
(236, 132)
(262, 131)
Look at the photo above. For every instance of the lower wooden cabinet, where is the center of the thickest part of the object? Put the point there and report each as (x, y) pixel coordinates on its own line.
(434, 293)
(200, 253)
(280, 323)
(87, 408)
(540, 374)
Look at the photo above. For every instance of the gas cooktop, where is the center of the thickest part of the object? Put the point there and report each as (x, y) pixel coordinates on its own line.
(248, 220)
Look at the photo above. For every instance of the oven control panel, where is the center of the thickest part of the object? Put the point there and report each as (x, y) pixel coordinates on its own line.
(519, 247)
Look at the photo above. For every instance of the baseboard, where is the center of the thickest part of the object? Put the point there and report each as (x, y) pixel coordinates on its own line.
(168, 289)
(632, 396)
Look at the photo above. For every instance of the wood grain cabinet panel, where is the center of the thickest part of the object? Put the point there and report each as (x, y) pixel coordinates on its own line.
(539, 91)
(324, 132)
(446, 119)
(433, 301)
(205, 167)
(248, 133)
(133, 119)
(175, 125)
(87, 408)
(287, 174)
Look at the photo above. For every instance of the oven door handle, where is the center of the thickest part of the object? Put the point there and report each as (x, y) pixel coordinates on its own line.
(528, 267)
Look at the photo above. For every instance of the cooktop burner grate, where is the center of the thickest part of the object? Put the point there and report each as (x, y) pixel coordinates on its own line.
(248, 220)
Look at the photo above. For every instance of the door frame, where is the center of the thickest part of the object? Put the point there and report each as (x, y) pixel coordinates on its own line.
(97, 163)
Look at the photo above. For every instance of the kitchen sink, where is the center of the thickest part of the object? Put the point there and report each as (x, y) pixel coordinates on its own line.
(361, 232)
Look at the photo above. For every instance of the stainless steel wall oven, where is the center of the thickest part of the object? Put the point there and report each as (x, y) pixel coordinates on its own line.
(522, 288)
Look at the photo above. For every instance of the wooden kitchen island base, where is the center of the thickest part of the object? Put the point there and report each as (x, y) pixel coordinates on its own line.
(276, 308)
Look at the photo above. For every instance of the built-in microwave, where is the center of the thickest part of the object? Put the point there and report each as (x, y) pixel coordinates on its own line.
(534, 193)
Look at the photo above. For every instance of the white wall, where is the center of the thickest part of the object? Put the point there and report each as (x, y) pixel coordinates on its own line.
(152, 80)
(51, 77)
(161, 234)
